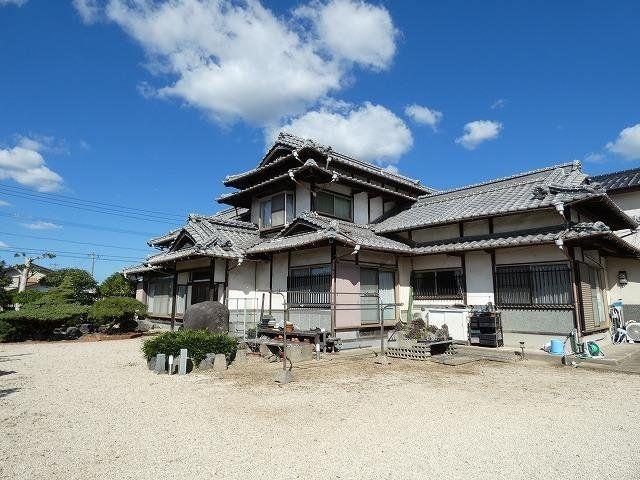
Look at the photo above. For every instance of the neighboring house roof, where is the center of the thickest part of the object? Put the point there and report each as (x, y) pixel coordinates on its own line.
(619, 181)
(324, 229)
(37, 272)
(544, 188)
(295, 143)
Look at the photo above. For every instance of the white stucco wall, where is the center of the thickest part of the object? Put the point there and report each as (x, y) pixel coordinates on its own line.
(280, 273)
(311, 256)
(436, 233)
(532, 254)
(219, 272)
(524, 221)
(475, 227)
(361, 208)
(377, 258)
(630, 293)
(479, 278)
(375, 208)
(303, 198)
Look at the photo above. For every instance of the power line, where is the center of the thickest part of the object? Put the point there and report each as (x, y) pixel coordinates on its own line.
(118, 213)
(79, 225)
(90, 244)
(64, 252)
(76, 199)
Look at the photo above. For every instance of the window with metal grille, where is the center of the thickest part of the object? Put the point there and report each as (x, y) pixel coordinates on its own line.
(438, 284)
(528, 285)
(309, 286)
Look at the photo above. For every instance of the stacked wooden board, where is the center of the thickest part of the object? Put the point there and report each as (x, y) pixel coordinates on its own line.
(485, 329)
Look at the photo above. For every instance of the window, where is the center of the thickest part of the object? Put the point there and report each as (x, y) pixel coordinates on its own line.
(382, 283)
(333, 204)
(438, 284)
(277, 210)
(160, 296)
(310, 286)
(201, 275)
(526, 285)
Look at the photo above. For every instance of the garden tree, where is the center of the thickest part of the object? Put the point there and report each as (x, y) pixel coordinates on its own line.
(5, 297)
(25, 268)
(79, 281)
(28, 296)
(117, 285)
(117, 310)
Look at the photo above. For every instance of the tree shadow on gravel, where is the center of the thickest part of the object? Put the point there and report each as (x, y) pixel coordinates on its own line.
(4, 392)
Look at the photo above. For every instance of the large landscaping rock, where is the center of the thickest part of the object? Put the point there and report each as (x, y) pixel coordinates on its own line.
(211, 316)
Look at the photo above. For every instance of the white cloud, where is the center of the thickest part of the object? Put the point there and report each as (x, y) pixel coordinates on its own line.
(501, 102)
(423, 115)
(368, 132)
(42, 144)
(19, 3)
(89, 10)
(3, 245)
(477, 132)
(354, 31)
(236, 60)
(594, 157)
(627, 145)
(27, 167)
(41, 225)
(4, 203)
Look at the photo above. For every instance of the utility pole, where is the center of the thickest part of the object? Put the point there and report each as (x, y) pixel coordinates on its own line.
(93, 261)
(26, 268)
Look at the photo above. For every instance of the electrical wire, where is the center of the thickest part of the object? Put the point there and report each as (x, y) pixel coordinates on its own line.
(76, 242)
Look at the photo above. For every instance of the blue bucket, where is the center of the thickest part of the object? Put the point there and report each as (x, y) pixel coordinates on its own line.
(557, 347)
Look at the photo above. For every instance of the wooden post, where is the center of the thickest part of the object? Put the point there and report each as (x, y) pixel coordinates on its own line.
(174, 294)
(226, 283)
(212, 283)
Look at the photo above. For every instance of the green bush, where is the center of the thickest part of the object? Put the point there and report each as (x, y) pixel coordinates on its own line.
(7, 331)
(117, 310)
(197, 342)
(37, 320)
(28, 296)
(117, 285)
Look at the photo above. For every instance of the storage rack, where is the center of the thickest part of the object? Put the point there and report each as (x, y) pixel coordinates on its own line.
(485, 329)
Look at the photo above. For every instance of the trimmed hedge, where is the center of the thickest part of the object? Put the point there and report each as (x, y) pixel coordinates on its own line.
(197, 342)
(37, 321)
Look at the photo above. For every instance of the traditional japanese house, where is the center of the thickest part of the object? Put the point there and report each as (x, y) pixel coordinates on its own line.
(329, 235)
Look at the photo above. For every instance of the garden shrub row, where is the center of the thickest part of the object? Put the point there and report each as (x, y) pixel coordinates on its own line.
(197, 342)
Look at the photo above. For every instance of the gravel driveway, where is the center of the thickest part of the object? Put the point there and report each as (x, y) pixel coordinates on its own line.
(93, 411)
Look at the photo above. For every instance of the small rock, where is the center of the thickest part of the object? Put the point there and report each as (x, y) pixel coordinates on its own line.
(86, 328)
(220, 362)
(241, 357)
(73, 333)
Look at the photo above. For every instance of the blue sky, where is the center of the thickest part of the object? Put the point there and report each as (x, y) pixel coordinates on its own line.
(150, 106)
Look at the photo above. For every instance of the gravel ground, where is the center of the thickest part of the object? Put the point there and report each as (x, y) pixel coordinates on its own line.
(93, 410)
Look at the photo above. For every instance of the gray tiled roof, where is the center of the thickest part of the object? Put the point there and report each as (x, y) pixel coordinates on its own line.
(296, 142)
(213, 236)
(165, 239)
(542, 188)
(141, 268)
(622, 180)
(344, 232)
(524, 238)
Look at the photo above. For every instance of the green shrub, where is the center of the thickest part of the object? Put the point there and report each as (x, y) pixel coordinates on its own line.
(37, 320)
(197, 342)
(117, 285)
(28, 296)
(117, 310)
(7, 331)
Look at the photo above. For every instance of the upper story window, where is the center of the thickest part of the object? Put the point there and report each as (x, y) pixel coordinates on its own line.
(277, 210)
(334, 204)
